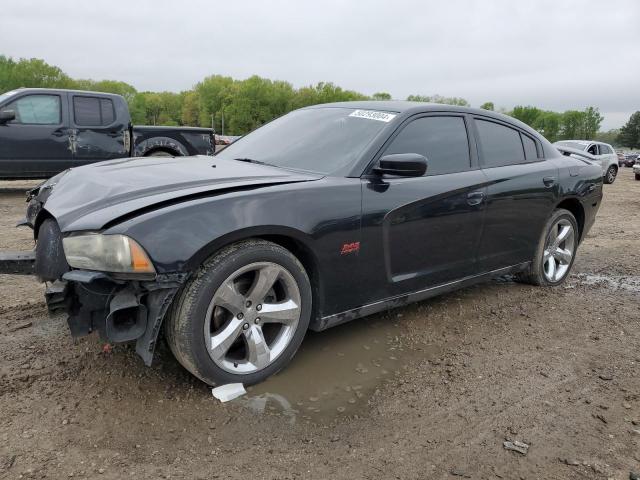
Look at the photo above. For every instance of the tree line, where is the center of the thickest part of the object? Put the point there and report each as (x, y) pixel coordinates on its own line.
(236, 107)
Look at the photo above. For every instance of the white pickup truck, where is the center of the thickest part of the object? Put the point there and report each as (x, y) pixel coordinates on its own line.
(603, 152)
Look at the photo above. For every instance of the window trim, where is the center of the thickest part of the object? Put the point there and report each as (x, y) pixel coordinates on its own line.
(60, 122)
(518, 130)
(473, 160)
(99, 98)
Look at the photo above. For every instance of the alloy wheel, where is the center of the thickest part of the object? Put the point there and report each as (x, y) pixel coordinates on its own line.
(558, 250)
(611, 175)
(252, 317)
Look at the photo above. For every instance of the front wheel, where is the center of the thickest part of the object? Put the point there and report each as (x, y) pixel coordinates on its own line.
(611, 174)
(556, 251)
(243, 316)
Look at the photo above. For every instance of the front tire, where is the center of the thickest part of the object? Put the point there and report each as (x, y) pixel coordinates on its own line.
(556, 251)
(243, 316)
(611, 174)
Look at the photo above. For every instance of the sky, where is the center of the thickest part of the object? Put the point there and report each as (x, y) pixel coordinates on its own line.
(554, 54)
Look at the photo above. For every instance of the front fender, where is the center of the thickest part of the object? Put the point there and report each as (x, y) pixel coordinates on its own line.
(320, 216)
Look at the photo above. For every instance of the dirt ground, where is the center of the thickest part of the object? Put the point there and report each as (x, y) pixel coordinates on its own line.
(425, 392)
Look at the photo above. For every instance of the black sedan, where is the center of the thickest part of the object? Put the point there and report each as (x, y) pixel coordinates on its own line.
(327, 214)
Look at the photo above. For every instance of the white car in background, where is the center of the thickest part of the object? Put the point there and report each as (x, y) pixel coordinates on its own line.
(603, 152)
(636, 170)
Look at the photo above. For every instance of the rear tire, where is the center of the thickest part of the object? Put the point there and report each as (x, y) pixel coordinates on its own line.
(637, 176)
(160, 153)
(556, 251)
(611, 174)
(224, 328)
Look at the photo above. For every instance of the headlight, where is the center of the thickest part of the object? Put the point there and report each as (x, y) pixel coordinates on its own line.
(106, 253)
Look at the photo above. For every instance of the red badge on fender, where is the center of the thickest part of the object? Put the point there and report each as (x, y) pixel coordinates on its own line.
(350, 248)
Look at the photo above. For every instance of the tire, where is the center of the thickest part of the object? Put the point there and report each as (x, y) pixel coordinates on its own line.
(611, 174)
(216, 332)
(637, 176)
(160, 153)
(538, 273)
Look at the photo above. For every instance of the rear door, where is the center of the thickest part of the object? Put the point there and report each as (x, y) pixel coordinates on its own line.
(36, 143)
(521, 194)
(424, 231)
(97, 133)
(607, 156)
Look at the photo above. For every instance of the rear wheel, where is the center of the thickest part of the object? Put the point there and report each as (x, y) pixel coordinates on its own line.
(243, 317)
(611, 174)
(556, 251)
(637, 176)
(161, 153)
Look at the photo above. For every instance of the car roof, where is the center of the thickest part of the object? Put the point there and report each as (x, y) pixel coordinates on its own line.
(58, 90)
(407, 108)
(579, 142)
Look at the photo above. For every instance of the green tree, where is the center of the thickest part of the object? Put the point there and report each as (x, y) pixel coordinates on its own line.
(630, 133)
(528, 115)
(439, 99)
(591, 122)
(381, 96)
(488, 106)
(190, 108)
(548, 124)
(31, 73)
(572, 125)
(610, 136)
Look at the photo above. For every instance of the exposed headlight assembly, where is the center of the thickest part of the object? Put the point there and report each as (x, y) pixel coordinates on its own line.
(106, 253)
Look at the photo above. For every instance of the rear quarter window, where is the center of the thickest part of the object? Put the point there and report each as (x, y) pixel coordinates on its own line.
(93, 111)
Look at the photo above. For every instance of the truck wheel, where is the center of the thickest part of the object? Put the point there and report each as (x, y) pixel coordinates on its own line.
(160, 153)
(610, 176)
(556, 251)
(243, 316)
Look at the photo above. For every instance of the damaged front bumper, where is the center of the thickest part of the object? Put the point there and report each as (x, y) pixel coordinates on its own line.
(119, 310)
(120, 307)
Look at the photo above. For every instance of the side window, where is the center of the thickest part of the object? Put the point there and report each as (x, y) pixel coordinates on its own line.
(530, 150)
(443, 140)
(92, 111)
(499, 145)
(593, 149)
(605, 149)
(36, 109)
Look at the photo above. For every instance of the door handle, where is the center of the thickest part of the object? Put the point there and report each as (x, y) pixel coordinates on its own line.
(549, 181)
(475, 198)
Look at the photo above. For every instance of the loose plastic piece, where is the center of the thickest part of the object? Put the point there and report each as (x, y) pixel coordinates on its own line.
(228, 392)
(517, 446)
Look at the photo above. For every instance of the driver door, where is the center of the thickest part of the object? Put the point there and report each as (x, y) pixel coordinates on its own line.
(424, 231)
(36, 143)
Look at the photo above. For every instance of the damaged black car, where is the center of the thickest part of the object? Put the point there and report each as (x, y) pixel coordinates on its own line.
(327, 214)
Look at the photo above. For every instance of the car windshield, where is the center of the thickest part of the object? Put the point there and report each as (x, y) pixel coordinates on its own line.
(321, 140)
(577, 146)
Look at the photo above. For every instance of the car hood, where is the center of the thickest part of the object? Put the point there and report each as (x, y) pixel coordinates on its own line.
(92, 196)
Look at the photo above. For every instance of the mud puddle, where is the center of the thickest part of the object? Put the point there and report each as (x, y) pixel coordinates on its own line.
(335, 373)
(630, 283)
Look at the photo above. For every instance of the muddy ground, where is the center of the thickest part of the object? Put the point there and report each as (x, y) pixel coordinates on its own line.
(428, 391)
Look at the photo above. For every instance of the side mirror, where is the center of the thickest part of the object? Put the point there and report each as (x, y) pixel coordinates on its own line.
(7, 116)
(402, 165)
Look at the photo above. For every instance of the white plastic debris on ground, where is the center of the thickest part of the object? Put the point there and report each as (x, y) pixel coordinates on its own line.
(228, 392)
